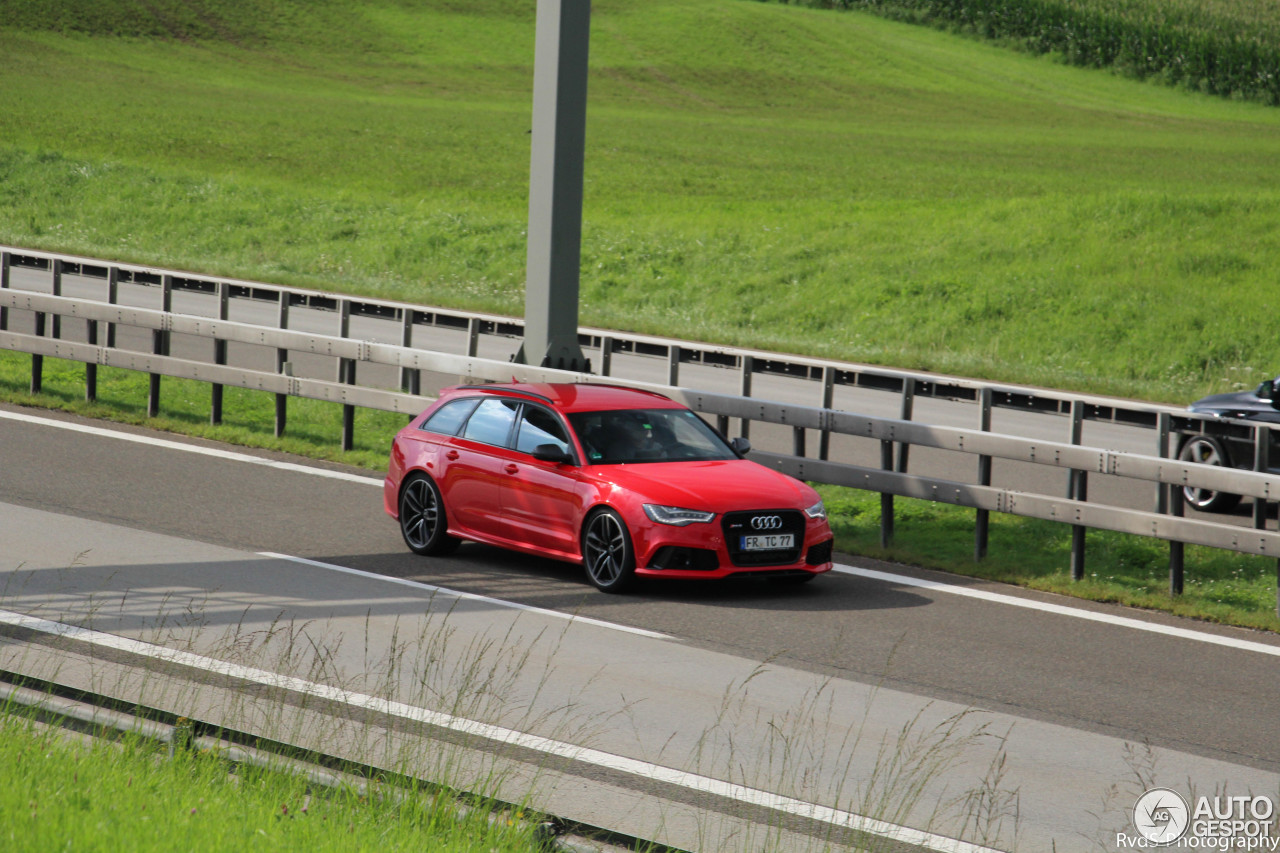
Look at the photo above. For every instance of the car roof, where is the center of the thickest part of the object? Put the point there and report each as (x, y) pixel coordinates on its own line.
(578, 397)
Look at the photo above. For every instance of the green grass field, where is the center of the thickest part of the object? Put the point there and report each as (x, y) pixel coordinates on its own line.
(809, 181)
(818, 182)
(61, 794)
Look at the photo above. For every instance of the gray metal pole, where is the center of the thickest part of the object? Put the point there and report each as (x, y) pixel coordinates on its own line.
(555, 186)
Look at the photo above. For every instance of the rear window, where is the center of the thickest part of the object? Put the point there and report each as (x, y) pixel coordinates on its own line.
(450, 417)
(491, 423)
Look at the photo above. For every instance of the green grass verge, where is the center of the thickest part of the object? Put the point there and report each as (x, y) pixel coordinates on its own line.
(61, 794)
(313, 427)
(1220, 586)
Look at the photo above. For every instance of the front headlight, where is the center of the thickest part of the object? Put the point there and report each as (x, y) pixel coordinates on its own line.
(818, 510)
(676, 516)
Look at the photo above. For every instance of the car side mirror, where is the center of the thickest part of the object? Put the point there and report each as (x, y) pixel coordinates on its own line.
(552, 453)
(740, 446)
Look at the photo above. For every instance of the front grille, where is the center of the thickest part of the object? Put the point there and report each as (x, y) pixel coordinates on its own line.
(770, 521)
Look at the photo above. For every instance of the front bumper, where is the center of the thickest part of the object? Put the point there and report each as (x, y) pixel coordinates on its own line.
(704, 551)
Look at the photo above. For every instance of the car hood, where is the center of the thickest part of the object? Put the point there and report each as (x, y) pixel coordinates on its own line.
(1239, 404)
(716, 486)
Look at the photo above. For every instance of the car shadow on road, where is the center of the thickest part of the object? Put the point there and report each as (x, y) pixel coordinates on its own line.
(552, 584)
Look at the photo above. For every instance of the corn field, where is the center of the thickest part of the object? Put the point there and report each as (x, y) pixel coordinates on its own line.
(1223, 47)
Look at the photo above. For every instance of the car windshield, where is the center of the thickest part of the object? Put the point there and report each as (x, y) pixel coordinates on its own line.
(647, 435)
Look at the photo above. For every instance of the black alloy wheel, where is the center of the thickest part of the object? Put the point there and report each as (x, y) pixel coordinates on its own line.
(422, 518)
(607, 553)
(1206, 451)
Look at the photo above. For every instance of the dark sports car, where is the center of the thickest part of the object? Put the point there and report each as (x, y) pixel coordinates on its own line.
(1230, 445)
(629, 483)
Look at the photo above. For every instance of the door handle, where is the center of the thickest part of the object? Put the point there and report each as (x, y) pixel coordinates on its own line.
(512, 469)
(452, 454)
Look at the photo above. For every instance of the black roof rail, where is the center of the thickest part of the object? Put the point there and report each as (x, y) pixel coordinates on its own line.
(627, 388)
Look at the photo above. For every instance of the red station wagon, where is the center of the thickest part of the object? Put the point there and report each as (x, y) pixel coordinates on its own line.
(628, 483)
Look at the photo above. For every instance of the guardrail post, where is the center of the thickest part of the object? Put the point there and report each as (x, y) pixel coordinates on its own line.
(410, 377)
(282, 364)
(606, 355)
(1261, 461)
(159, 346)
(37, 361)
(982, 522)
(348, 426)
(828, 398)
(908, 407)
(886, 499)
(1078, 531)
(1077, 486)
(1164, 430)
(473, 334)
(344, 330)
(673, 366)
(347, 370)
(6, 259)
(1177, 505)
(91, 368)
(56, 331)
(219, 354)
(113, 296)
(748, 367)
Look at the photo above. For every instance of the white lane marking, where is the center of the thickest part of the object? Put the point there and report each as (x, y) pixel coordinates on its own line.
(559, 749)
(555, 614)
(993, 597)
(215, 452)
(1061, 610)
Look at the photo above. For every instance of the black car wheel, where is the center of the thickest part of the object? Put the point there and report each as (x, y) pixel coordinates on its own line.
(1206, 451)
(607, 553)
(422, 517)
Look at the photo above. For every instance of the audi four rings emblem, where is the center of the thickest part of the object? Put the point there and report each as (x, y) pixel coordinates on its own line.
(766, 522)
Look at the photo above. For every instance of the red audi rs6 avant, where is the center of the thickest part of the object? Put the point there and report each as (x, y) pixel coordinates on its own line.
(628, 483)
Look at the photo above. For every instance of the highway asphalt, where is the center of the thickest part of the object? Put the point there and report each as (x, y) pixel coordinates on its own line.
(110, 532)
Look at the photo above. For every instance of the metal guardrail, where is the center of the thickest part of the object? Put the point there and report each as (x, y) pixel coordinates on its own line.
(821, 377)
(890, 479)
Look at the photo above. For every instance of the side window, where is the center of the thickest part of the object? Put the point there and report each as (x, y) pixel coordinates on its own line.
(448, 419)
(538, 426)
(491, 421)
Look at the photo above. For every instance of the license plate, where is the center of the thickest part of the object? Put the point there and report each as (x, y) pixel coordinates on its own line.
(768, 542)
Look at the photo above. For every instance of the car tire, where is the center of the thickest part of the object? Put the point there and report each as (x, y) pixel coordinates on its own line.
(607, 554)
(1206, 450)
(423, 521)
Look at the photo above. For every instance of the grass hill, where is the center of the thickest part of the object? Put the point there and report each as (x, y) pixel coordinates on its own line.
(807, 180)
